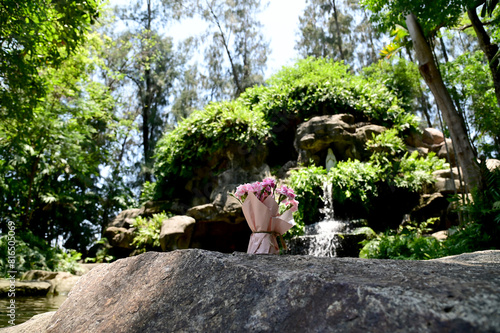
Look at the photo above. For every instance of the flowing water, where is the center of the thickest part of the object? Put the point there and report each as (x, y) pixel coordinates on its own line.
(324, 238)
(27, 307)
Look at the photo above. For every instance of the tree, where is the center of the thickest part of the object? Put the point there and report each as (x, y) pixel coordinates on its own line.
(35, 35)
(325, 31)
(430, 18)
(150, 65)
(490, 49)
(338, 29)
(465, 154)
(49, 173)
(237, 54)
(472, 91)
(402, 77)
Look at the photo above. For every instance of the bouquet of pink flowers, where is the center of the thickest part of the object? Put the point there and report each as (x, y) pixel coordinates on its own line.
(267, 217)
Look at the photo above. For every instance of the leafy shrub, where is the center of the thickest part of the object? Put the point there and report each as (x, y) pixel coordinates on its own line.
(482, 228)
(35, 253)
(399, 76)
(408, 242)
(321, 86)
(414, 172)
(148, 192)
(102, 254)
(147, 236)
(203, 139)
(308, 186)
(354, 180)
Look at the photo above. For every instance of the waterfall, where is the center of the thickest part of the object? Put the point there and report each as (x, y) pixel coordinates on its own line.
(323, 238)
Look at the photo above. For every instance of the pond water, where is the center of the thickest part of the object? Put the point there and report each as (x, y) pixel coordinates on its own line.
(27, 307)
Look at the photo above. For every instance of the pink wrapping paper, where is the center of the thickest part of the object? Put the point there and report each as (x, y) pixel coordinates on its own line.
(263, 220)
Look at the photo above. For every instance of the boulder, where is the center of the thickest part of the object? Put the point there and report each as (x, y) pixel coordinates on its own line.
(447, 152)
(432, 136)
(431, 205)
(60, 282)
(25, 288)
(447, 182)
(323, 132)
(176, 233)
(120, 237)
(202, 291)
(368, 132)
(126, 218)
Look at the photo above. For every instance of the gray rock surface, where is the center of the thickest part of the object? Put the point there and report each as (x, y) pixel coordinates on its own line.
(202, 291)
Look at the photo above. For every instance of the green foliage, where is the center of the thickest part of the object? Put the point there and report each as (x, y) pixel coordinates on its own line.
(51, 162)
(388, 13)
(482, 230)
(308, 186)
(473, 90)
(409, 170)
(359, 181)
(204, 139)
(311, 87)
(414, 172)
(399, 76)
(148, 192)
(320, 86)
(102, 254)
(32, 252)
(147, 231)
(35, 35)
(408, 242)
(355, 181)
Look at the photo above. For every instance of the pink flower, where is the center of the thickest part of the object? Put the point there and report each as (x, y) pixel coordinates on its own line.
(266, 188)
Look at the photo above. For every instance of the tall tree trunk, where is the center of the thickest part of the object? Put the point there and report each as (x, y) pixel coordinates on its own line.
(337, 26)
(489, 49)
(146, 110)
(428, 69)
(236, 78)
(443, 49)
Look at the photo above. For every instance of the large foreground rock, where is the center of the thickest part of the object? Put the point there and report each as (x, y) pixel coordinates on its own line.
(202, 291)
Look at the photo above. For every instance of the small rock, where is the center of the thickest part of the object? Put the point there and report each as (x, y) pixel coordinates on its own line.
(432, 136)
(176, 233)
(25, 288)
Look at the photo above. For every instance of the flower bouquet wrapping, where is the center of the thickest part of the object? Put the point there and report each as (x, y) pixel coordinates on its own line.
(267, 217)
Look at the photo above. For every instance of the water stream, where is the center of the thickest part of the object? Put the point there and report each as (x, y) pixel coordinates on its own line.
(28, 306)
(324, 238)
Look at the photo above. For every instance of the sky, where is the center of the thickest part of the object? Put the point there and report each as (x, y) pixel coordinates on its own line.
(280, 21)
